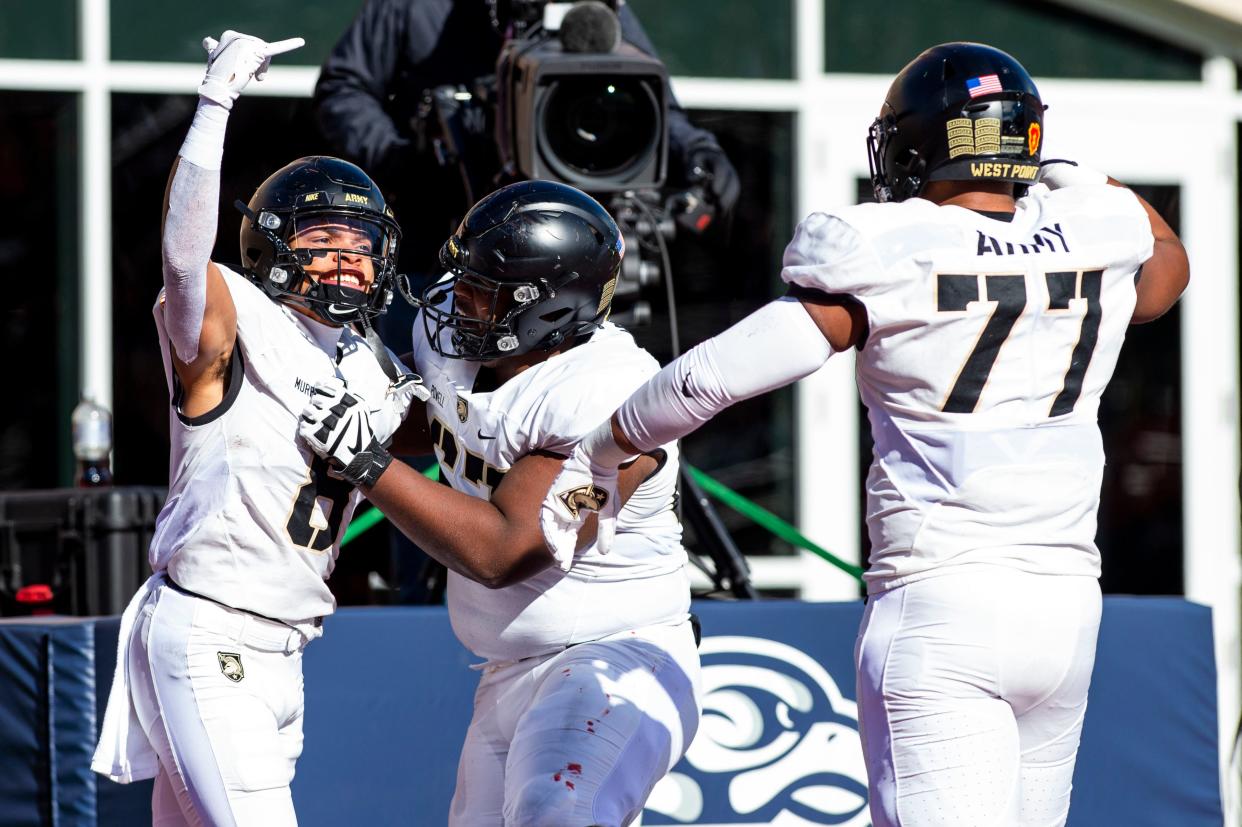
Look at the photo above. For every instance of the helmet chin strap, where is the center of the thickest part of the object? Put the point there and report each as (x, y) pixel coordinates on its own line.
(381, 352)
(368, 331)
(341, 314)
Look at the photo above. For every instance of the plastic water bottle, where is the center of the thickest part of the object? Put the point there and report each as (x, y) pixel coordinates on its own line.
(92, 443)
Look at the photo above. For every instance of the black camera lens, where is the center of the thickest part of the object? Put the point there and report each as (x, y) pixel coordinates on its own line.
(598, 125)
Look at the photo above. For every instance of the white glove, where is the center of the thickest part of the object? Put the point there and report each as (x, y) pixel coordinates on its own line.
(335, 425)
(387, 417)
(587, 483)
(1058, 174)
(236, 58)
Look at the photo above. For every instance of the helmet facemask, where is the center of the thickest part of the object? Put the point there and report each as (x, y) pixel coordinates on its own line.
(881, 131)
(896, 173)
(484, 327)
(304, 241)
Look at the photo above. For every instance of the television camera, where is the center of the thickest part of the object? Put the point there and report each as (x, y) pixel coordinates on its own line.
(571, 102)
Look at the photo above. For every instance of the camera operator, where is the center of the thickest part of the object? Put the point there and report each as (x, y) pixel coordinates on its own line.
(371, 105)
(370, 88)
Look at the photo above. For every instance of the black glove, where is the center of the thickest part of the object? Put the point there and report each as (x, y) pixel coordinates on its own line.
(706, 164)
(335, 425)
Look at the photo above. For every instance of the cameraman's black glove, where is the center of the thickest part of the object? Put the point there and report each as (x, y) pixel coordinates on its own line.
(707, 164)
(335, 425)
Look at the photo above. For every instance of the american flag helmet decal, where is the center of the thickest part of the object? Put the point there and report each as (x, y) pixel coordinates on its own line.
(984, 85)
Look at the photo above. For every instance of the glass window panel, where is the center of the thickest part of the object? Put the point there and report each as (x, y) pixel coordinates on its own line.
(1051, 41)
(1140, 524)
(717, 282)
(147, 131)
(39, 257)
(726, 38)
(40, 31)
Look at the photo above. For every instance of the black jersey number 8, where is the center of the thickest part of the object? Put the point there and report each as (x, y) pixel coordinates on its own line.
(333, 492)
(955, 292)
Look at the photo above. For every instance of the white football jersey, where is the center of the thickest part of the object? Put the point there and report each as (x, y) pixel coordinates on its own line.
(988, 347)
(550, 407)
(253, 520)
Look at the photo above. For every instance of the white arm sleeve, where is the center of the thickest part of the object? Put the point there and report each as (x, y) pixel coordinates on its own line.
(190, 228)
(776, 345)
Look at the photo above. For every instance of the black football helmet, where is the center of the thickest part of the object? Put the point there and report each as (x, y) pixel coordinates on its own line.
(539, 260)
(957, 112)
(312, 192)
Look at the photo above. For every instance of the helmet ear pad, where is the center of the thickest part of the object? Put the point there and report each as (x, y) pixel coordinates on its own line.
(906, 170)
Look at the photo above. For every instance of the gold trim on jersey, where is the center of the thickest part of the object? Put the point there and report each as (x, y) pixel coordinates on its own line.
(475, 469)
(980, 297)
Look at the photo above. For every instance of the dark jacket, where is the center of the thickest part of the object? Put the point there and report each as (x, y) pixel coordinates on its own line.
(370, 87)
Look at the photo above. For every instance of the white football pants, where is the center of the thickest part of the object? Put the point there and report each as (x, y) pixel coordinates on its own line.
(219, 693)
(972, 688)
(580, 737)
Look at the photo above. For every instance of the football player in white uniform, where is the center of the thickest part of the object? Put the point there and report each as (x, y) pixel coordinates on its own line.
(987, 323)
(590, 690)
(207, 696)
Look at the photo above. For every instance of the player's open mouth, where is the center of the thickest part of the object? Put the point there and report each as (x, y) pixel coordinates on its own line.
(347, 279)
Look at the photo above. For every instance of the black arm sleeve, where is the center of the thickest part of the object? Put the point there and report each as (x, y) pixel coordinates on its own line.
(355, 82)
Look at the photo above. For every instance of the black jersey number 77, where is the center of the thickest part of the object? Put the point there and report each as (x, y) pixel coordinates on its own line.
(954, 292)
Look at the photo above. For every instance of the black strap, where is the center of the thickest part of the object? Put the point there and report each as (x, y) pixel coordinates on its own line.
(381, 352)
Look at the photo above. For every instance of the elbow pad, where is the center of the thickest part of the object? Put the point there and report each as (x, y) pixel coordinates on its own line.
(775, 346)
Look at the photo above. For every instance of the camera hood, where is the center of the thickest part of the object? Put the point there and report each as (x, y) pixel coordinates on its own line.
(596, 121)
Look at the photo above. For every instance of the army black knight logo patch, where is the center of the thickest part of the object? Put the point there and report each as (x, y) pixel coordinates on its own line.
(586, 497)
(231, 666)
(463, 410)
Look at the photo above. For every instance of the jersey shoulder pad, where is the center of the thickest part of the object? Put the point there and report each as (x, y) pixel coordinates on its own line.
(582, 387)
(1109, 217)
(829, 252)
(1099, 200)
(244, 291)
